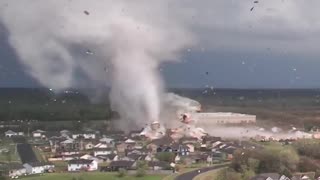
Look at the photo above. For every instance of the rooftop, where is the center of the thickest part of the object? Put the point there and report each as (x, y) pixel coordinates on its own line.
(219, 114)
(80, 161)
(121, 163)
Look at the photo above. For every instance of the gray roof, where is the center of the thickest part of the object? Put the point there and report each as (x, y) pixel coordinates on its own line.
(121, 163)
(10, 132)
(80, 161)
(38, 164)
(109, 156)
(162, 164)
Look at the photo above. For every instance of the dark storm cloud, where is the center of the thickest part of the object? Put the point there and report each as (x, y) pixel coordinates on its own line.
(271, 39)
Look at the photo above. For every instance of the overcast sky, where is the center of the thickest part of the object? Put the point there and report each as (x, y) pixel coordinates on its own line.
(276, 45)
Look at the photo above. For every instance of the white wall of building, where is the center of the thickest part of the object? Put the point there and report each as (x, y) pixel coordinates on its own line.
(77, 167)
(220, 118)
(33, 170)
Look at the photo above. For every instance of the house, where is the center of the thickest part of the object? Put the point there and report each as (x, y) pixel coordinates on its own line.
(158, 165)
(50, 134)
(16, 170)
(216, 144)
(10, 133)
(137, 151)
(108, 158)
(38, 167)
(303, 176)
(87, 156)
(228, 150)
(65, 133)
(180, 149)
(116, 165)
(129, 141)
(106, 140)
(86, 135)
(191, 147)
(64, 157)
(189, 140)
(121, 147)
(67, 153)
(134, 134)
(218, 156)
(102, 145)
(210, 139)
(157, 145)
(164, 141)
(20, 133)
(132, 157)
(68, 145)
(146, 157)
(195, 158)
(103, 151)
(38, 133)
(82, 164)
(270, 176)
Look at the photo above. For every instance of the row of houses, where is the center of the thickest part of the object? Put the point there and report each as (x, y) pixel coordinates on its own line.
(43, 134)
(16, 169)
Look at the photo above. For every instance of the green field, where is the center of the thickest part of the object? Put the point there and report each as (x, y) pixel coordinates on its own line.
(90, 176)
(14, 157)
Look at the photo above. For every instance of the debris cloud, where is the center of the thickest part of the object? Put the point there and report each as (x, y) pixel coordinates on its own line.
(131, 38)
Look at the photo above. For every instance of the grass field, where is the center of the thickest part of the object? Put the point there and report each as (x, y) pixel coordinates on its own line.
(7, 143)
(90, 176)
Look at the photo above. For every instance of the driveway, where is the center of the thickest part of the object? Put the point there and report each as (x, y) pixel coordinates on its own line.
(190, 175)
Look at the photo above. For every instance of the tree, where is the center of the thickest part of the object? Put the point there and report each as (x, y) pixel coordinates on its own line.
(141, 168)
(248, 174)
(253, 164)
(177, 167)
(165, 156)
(122, 172)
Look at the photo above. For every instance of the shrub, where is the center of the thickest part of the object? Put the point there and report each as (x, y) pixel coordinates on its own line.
(122, 172)
(140, 172)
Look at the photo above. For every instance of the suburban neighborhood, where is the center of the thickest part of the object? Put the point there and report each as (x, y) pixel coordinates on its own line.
(91, 150)
(40, 152)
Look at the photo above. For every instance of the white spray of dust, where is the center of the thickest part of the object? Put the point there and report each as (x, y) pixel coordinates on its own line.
(257, 133)
(127, 40)
(181, 104)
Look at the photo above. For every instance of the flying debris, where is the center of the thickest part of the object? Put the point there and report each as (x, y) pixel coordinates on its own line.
(252, 9)
(207, 73)
(89, 52)
(86, 12)
(105, 69)
(256, 2)
(154, 131)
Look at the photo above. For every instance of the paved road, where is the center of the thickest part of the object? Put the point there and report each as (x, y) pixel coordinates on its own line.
(190, 175)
